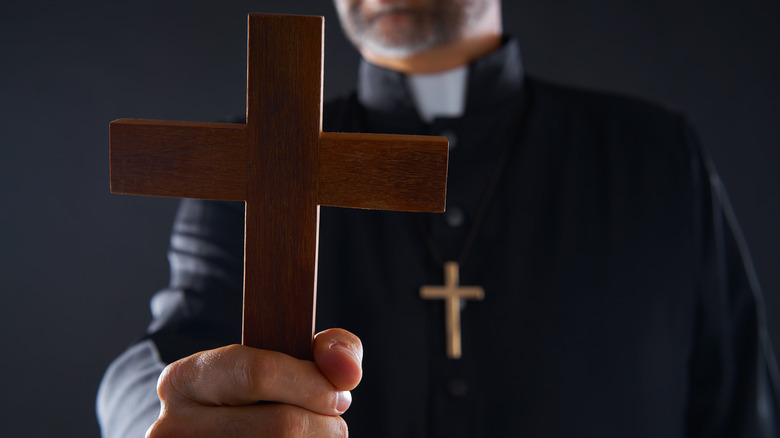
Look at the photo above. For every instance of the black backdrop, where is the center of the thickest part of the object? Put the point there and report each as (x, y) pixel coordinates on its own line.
(79, 265)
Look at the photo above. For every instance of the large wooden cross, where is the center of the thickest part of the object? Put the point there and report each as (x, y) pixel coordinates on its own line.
(284, 167)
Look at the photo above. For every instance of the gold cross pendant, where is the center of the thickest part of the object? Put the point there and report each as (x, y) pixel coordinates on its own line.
(452, 294)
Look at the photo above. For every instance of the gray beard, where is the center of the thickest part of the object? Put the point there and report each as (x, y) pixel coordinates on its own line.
(440, 30)
(408, 49)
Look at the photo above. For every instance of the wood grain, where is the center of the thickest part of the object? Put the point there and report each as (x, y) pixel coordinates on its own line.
(384, 172)
(283, 120)
(178, 159)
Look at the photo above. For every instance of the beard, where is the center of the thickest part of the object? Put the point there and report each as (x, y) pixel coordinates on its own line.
(397, 30)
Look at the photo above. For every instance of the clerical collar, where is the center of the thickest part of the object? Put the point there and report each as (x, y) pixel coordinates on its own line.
(495, 78)
(439, 94)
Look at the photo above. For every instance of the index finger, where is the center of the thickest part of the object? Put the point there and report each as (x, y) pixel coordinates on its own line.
(238, 375)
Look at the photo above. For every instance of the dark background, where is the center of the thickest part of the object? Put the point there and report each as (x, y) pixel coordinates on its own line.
(79, 265)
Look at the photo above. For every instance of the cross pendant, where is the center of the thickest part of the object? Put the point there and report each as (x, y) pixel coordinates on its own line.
(452, 294)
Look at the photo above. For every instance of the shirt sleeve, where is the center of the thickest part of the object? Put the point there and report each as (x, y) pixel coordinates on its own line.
(127, 402)
(734, 382)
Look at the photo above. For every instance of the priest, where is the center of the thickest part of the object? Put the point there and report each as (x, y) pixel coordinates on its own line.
(588, 278)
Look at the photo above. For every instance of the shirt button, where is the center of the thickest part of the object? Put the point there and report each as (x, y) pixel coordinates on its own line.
(458, 388)
(454, 217)
(452, 139)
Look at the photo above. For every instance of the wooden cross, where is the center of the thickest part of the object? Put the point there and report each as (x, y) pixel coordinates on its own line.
(284, 167)
(452, 294)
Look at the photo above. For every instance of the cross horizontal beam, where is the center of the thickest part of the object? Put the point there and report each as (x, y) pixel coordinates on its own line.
(208, 161)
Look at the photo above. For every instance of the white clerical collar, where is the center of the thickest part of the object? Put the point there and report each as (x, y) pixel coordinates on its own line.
(439, 94)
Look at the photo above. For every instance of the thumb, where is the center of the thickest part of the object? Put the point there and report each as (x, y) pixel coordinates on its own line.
(339, 355)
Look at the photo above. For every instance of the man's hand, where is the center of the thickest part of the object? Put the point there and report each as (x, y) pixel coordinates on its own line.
(238, 391)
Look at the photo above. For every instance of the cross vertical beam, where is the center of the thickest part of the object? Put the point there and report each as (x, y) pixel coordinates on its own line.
(284, 109)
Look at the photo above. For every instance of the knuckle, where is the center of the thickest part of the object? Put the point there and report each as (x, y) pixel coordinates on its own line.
(178, 378)
(167, 384)
(257, 372)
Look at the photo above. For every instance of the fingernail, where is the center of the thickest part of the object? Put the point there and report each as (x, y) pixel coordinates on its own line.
(345, 399)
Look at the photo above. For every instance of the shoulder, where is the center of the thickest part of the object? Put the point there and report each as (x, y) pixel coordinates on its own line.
(607, 117)
(578, 101)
